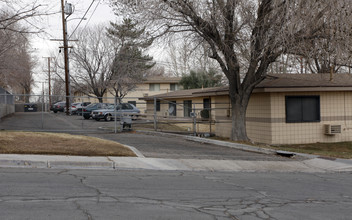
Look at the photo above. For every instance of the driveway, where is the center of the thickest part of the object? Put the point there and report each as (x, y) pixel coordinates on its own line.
(156, 146)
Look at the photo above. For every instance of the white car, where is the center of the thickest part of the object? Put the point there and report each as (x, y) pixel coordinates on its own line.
(125, 109)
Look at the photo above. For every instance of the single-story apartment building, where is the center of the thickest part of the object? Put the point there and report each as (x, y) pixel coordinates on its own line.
(283, 108)
(151, 86)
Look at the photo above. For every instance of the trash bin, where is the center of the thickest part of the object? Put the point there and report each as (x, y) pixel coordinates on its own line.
(30, 107)
(126, 122)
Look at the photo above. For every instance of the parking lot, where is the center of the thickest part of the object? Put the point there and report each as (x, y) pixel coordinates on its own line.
(150, 145)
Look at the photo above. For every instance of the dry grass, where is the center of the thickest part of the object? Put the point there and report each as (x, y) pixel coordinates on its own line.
(59, 144)
(337, 150)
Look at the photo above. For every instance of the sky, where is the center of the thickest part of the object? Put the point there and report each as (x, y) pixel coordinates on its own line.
(95, 11)
(98, 12)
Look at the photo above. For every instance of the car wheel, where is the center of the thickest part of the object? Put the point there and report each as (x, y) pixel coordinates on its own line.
(108, 117)
(86, 116)
(55, 111)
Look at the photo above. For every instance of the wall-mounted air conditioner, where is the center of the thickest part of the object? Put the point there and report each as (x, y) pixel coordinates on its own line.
(332, 129)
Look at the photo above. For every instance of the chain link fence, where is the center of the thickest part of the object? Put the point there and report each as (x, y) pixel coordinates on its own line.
(87, 114)
(6, 103)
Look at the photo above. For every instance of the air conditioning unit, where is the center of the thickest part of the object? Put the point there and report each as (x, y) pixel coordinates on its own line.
(332, 129)
(145, 94)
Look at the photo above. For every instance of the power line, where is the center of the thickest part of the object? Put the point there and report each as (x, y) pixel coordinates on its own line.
(92, 14)
(81, 19)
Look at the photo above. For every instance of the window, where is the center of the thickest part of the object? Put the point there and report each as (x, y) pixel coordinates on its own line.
(302, 109)
(158, 106)
(187, 108)
(126, 106)
(173, 86)
(154, 87)
(133, 103)
(172, 108)
(206, 104)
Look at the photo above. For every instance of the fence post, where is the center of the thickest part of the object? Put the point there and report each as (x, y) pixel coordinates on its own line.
(5, 97)
(43, 110)
(155, 123)
(210, 121)
(194, 120)
(115, 114)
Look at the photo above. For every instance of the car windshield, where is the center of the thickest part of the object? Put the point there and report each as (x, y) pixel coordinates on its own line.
(110, 106)
(91, 105)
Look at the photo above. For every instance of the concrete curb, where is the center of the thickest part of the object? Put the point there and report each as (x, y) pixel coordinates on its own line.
(137, 163)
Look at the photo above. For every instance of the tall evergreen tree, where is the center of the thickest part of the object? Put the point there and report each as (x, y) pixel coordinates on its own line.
(130, 62)
(201, 79)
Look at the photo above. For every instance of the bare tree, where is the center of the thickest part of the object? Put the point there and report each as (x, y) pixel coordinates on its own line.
(22, 12)
(186, 55)
(91, 61)
(16, 63)
(244, 37)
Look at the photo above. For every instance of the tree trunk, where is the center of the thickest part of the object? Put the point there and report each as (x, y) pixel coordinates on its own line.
(239, 102)
(100, 99)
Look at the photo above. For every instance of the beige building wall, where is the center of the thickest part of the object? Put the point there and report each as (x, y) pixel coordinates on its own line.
(143, 90)
(335, 108)
(266, 118)
(259, 118)
(222, 114)
(164, 106)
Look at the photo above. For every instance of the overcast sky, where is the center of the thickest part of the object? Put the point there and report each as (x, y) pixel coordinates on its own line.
(99, 12)
(96, 12)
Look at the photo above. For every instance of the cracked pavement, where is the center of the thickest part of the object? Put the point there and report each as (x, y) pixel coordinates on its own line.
(93, 194)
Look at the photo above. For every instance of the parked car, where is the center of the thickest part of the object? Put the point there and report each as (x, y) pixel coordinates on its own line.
(30, 107)
(121, 109)
(58, 107)
(77, 107)
(94, 106)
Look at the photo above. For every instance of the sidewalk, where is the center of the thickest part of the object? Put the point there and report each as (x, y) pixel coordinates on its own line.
(140, 163)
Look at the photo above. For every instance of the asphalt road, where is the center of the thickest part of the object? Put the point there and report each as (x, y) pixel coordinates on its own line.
(173, 147)
(156, 146)
(92, 194)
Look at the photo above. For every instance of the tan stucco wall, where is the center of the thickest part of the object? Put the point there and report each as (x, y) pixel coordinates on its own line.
(266, 119)
(258, 118)
(335, 108)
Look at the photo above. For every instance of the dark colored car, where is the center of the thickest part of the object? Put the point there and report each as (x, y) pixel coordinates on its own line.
(30, 107)
(58, 107)
(94, 106)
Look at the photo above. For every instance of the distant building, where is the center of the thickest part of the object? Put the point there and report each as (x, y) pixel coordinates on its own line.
(150, 87)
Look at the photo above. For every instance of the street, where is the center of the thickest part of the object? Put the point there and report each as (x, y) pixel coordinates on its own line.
(97, 194)
(127, 193)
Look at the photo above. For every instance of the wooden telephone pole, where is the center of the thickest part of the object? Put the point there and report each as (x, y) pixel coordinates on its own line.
(68, 11)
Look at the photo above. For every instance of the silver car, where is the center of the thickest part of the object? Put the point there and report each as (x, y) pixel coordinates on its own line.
(123, 109)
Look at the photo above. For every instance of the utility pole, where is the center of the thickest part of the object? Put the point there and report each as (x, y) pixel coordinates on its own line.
(68, 11)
